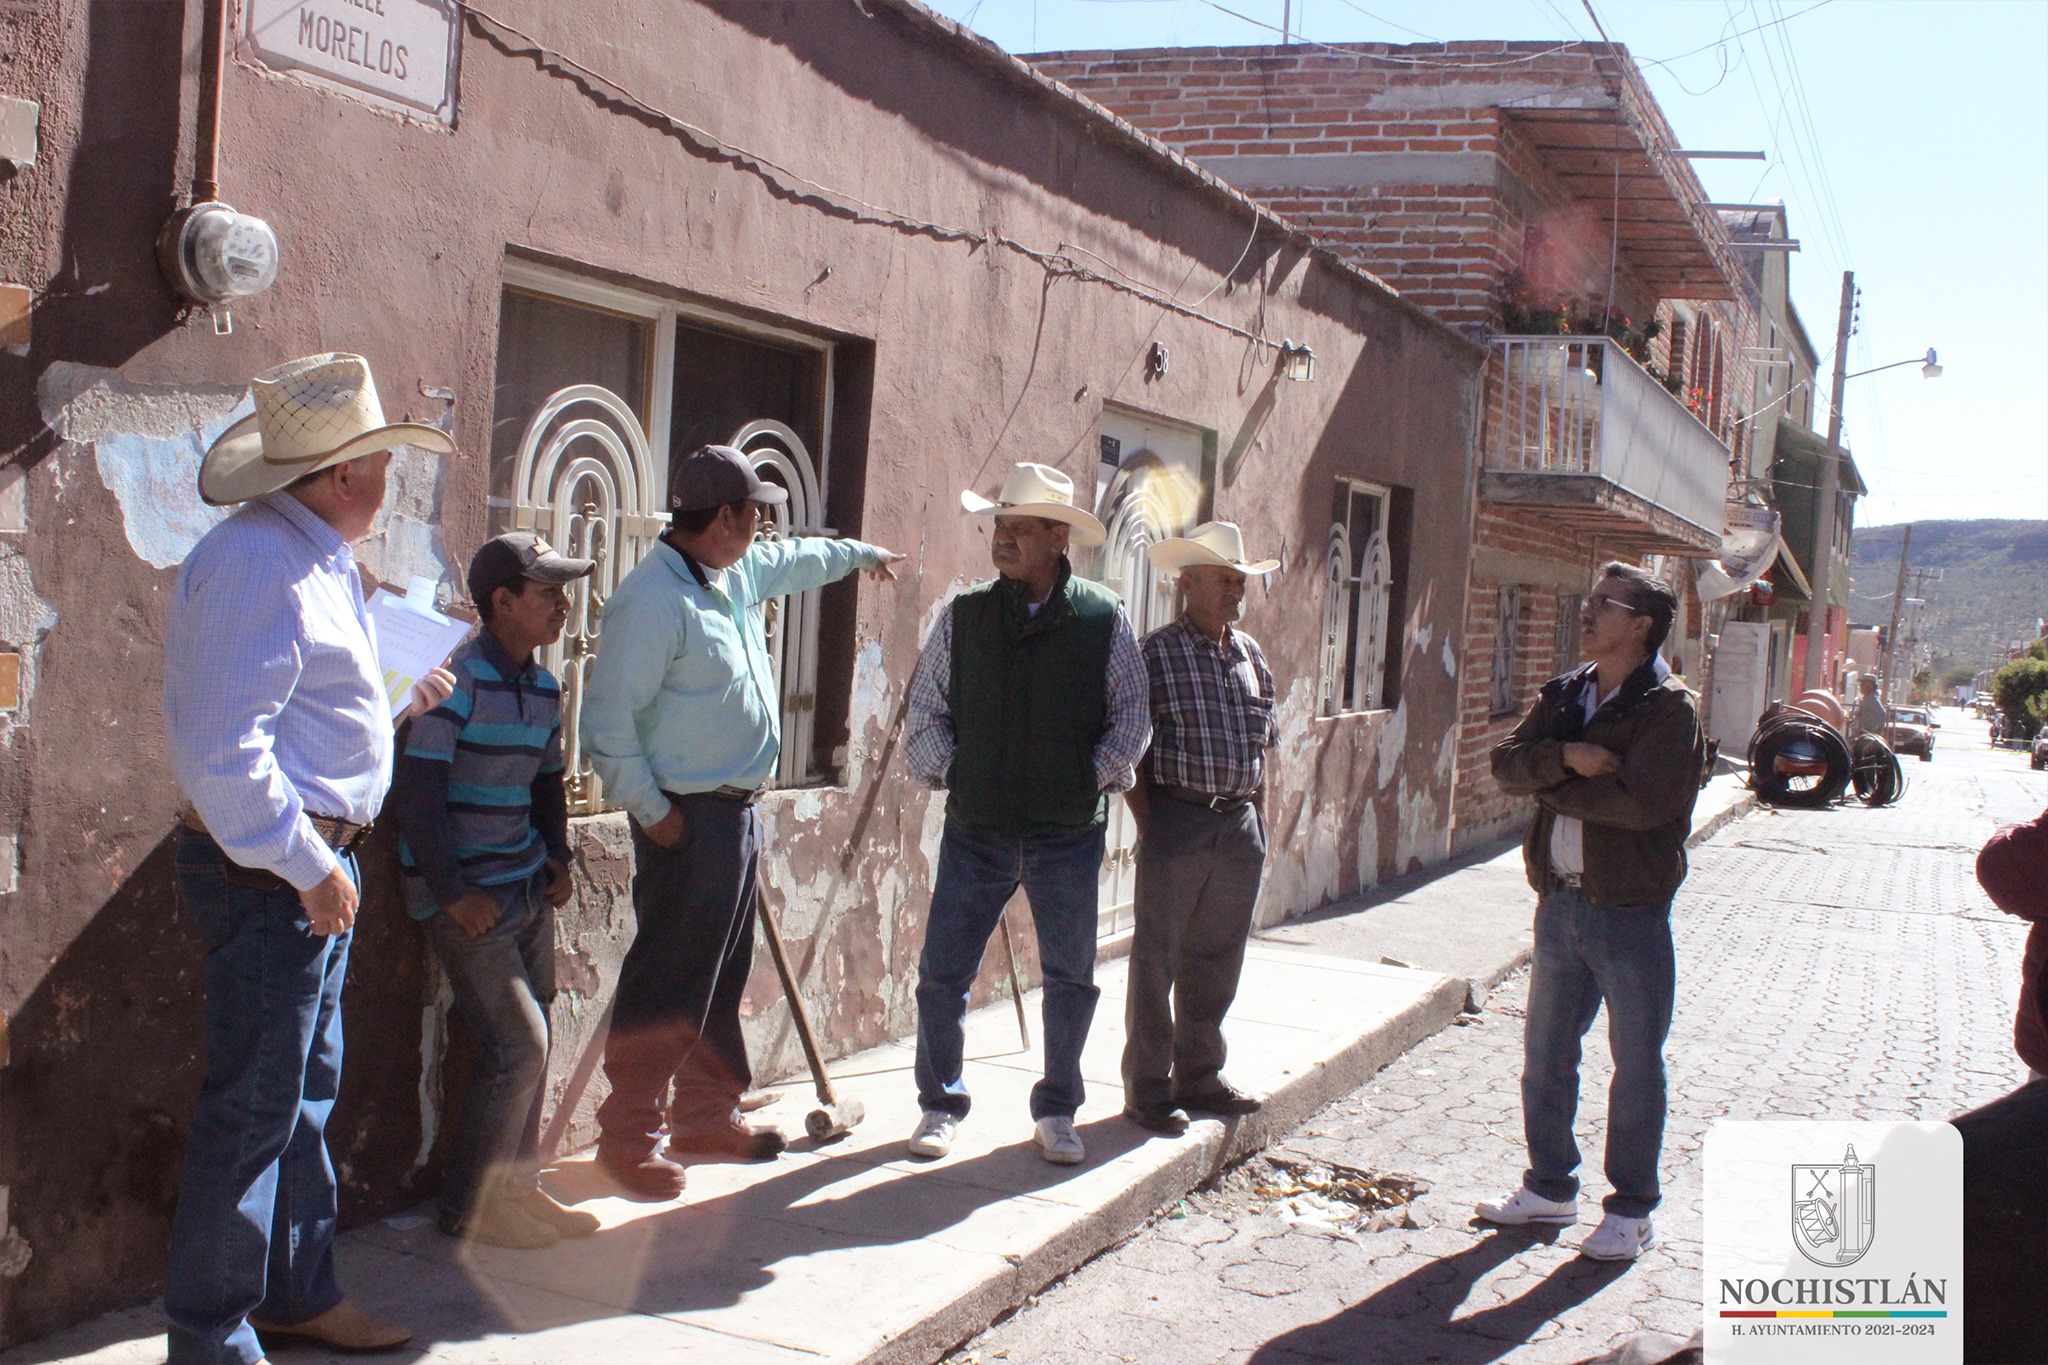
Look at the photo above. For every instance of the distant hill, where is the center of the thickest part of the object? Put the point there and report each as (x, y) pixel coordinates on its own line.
(1994, 582)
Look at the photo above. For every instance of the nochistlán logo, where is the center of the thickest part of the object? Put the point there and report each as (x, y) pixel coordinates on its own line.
(1834, 1210)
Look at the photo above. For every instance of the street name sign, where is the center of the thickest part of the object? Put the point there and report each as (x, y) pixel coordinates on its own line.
(401, 54)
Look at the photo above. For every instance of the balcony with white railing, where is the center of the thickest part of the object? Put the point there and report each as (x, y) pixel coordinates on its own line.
(1574, 426)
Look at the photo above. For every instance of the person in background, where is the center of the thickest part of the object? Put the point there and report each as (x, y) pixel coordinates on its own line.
(1870, 717)
(484, 815)
(280, 735)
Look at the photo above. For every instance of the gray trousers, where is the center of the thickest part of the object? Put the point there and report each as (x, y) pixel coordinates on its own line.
(1198, 881)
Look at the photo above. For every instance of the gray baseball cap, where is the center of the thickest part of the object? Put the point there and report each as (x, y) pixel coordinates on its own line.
(714, 476)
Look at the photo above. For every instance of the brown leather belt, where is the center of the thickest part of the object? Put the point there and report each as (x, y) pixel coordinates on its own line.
(340, 835)
(1563, 880)
(1195, 798)
(745, 796)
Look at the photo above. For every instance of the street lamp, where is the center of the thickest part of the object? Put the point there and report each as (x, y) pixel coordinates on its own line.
(1831, 484)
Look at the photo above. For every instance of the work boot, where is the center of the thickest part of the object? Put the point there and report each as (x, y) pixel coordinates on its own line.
(734, 1139)
(344, 1327)
(501, 1222)
(649, 1176)
(545, 1209)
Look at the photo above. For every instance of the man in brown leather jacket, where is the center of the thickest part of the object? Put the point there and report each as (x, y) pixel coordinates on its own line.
(1612, 752)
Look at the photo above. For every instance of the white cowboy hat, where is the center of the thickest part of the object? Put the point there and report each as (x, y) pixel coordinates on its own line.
(311, 413)
(1213, 542)
(1035, 490)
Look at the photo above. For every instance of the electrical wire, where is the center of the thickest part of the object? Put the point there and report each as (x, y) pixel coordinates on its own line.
(781, 179)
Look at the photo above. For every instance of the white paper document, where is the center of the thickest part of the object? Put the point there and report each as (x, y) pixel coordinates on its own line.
(412, 638)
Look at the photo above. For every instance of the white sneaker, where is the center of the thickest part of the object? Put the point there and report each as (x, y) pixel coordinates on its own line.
(1059, 1143)
(1619, 1239)
(1526, 1206)
(934, 1135)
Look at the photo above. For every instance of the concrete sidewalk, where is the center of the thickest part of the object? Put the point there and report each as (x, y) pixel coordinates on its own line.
(855, 1252)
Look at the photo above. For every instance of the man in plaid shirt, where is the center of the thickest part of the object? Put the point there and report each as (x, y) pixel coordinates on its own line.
(1202, 835)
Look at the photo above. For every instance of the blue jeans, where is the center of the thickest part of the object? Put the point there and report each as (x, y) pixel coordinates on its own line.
(978, 873)
(1586, 954)
(504, 981)
(254, 1231)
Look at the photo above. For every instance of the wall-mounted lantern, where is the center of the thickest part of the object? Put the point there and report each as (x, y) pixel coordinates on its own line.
(1297, 362)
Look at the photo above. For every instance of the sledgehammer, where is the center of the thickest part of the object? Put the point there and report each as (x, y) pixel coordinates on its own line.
(834, 1117)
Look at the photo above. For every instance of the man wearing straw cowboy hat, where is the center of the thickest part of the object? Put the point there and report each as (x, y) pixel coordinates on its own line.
(1028, 707)
(1202, 838)
(281, 736)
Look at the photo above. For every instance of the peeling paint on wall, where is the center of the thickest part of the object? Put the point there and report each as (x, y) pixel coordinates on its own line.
(25, 618)
(156, 481)
(406, 541)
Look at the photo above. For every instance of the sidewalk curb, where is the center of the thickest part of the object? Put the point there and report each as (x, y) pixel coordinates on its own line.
(1209, 1147)
(1720, 821)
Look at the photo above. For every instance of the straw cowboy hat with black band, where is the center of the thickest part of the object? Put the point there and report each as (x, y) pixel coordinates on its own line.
(311, 414)
(1036, 490)
(1216, 543)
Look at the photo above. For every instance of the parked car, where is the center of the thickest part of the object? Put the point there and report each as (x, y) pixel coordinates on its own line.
(2040, 758)
(1912, 732)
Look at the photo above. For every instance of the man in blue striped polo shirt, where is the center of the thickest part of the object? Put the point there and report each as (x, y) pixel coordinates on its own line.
(480, 800)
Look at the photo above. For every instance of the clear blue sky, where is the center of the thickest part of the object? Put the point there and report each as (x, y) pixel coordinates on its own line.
(1908, 139)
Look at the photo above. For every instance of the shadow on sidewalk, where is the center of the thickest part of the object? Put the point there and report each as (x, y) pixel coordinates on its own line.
(707, 1256)
(1411, 1320)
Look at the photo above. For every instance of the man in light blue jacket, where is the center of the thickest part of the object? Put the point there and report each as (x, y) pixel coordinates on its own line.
(682, 721)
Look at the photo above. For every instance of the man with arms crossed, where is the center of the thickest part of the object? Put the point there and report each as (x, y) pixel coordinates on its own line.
(280, 735)
(482, 804)
(1027, 707)
(683, 722)
(1612, 752)
(1198, 805)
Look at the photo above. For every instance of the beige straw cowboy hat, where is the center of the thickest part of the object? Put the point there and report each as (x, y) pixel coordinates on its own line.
(1213, 542)
(1035, 490)
(311, 413)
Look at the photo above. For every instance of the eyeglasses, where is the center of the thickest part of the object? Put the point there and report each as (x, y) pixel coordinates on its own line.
(1596, 601)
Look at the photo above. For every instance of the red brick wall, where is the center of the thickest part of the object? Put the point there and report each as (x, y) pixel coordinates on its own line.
(1445, 247)
(1482, 810)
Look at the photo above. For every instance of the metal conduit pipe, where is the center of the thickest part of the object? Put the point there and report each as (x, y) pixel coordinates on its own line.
(213, 44)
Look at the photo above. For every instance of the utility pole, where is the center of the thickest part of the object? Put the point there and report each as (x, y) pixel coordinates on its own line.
(1891, 637)
(1830, 489)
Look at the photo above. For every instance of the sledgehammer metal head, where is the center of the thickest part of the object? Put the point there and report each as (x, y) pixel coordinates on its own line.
(834, 1120)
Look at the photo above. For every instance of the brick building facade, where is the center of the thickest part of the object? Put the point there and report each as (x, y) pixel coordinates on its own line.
(1534, 196)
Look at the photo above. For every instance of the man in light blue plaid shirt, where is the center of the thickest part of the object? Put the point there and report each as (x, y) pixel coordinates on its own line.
(281, 736)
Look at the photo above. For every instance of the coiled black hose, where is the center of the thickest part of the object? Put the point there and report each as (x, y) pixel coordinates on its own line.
(1798, 760)
(1876, 773)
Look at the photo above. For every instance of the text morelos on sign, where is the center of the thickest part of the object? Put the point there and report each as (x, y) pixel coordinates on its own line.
(401, 53)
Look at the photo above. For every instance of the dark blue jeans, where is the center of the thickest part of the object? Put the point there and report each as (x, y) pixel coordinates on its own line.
(504, 981)
(1585, 955)
(978, 873)
(254, 1231)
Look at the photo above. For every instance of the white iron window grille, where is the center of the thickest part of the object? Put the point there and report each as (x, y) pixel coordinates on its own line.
(1565, 653)
(1507, 611)
(591, 487)
(1357, 597)
(779, 455)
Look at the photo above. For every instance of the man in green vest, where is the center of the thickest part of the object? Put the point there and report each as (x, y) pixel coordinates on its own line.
(1028, 708)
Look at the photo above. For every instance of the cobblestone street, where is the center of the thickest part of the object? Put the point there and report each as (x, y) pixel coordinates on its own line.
(1838, 963)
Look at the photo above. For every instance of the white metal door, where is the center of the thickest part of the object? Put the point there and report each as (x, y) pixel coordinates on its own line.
(1740, 683)
(1151, 484)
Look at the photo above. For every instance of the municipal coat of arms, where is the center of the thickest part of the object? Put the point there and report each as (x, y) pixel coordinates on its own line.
(1834, 1210)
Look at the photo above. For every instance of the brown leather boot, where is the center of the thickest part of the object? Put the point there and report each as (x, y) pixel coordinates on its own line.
(343, 1327)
